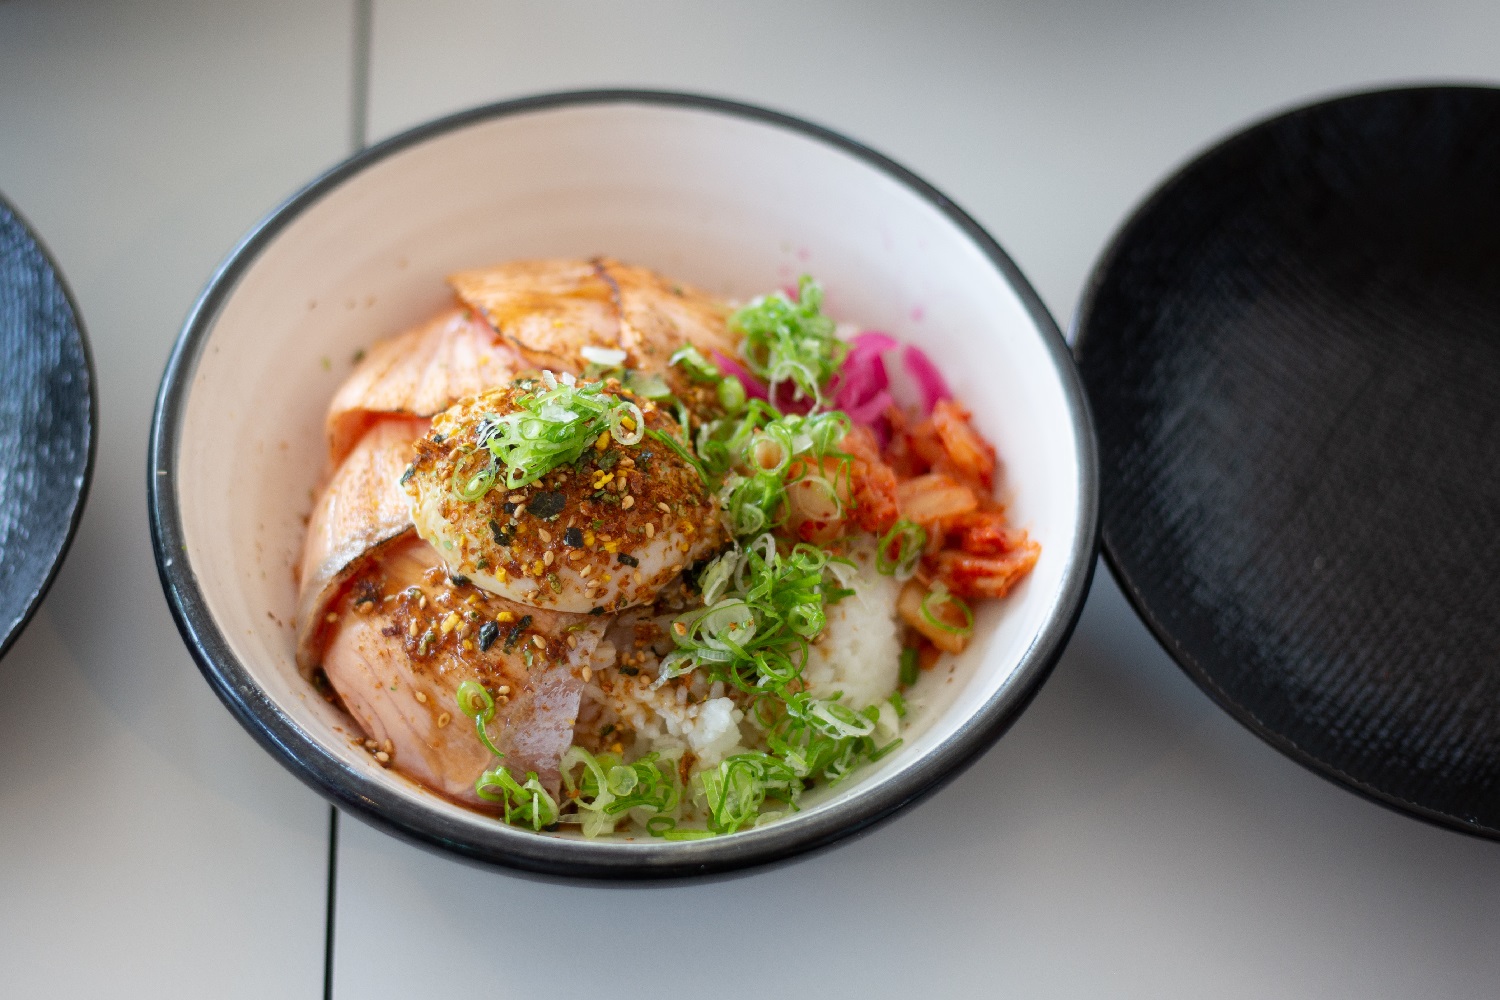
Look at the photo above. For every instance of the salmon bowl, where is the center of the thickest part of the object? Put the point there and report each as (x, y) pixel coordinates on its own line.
(729, 200)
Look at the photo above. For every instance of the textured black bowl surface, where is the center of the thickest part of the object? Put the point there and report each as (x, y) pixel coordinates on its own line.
(46, 422)
(1293, 355)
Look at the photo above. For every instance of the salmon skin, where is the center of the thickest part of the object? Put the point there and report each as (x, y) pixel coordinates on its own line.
(419, 373)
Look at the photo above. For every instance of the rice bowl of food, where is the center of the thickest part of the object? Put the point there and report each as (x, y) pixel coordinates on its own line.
(622, 485)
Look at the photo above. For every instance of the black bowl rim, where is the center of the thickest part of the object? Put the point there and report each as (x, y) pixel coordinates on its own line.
(1083, 333)
(79, 497)
(558, 857)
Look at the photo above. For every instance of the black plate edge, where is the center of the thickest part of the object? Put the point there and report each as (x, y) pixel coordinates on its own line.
(524, 852)
(1080, 330)
(81, 501)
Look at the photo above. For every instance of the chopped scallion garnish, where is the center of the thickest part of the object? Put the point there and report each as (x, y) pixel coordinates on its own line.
(786, 340)
(910, 539)
(935, 605)
(552, 425)
(910, 668)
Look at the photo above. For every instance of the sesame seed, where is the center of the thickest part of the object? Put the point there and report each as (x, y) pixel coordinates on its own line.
(637, 577)
(575, 554)
(588, 674)
(383, 757)
(572, 642)
(412, 631)
(650, 529)
(679, 628)
(627, 503)
(388, 747)
(585, 571)
(544, 535)
(331, 617)
(516, 497)
(503, 689)
(662, 506)
(421, 697)
(443, 719)
(547, 558)
(538, 642)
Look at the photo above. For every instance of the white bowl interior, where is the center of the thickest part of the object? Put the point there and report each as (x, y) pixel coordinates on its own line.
(734, 205)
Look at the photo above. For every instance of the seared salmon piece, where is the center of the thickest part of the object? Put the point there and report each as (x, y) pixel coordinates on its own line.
(551, 309)
(362, 509)
(419, 373)
(408, 635)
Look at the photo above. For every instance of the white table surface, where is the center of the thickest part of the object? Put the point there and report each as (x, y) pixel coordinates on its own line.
(1124, 839)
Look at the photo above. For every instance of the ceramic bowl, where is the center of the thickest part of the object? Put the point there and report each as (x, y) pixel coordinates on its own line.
(49, 422)
(734, 199)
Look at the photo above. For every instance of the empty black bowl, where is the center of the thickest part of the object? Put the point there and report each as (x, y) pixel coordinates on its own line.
(1293, 354)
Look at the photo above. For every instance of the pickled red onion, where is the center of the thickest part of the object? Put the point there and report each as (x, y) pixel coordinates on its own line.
(754, 387)
(929, 380)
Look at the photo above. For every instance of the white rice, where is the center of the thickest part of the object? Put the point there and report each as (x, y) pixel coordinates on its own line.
(859, 653)
(666, 718)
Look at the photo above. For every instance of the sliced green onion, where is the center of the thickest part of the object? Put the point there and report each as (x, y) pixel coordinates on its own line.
(522, 804)
(606, 788)
(936, 600)
(698, 368)
(732, 395)
(680, 450)
(910, 668)
(786, 340)
(553, 426)
(771, 451)
(475, 702)
(627, 424)
(647, 385)
(717, 576)
(468, 485)
(910, 540)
